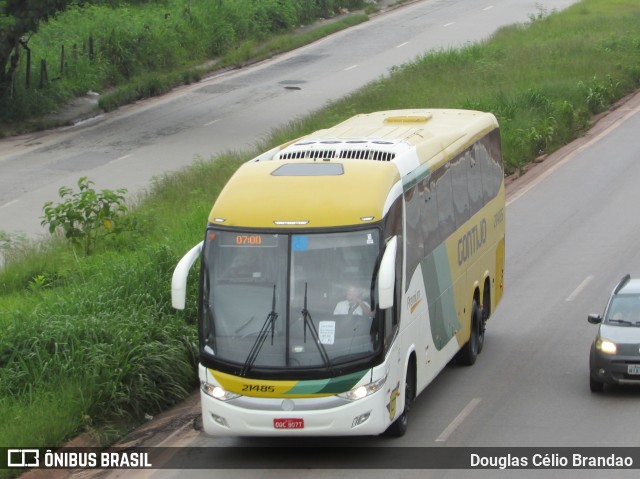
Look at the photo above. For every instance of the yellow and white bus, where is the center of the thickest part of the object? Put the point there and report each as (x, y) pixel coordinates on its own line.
(341, 272)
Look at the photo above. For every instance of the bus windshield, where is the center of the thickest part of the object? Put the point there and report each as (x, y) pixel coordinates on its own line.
(289, 301)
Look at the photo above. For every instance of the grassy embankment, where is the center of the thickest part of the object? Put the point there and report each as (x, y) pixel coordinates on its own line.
(148, 48)
(90, 341)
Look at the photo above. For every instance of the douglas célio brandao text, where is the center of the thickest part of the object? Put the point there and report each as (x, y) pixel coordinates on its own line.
(549, 460)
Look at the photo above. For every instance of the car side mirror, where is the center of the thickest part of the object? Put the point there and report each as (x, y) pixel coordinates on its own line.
(594, 318)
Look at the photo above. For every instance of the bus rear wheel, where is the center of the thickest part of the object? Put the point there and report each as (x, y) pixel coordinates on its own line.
(469, 352)
(483, 322)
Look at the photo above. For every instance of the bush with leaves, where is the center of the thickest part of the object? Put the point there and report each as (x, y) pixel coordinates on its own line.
(87, 215)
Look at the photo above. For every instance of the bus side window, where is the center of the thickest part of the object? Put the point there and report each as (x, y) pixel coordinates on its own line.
(430, 217)
(389, 327)
(474, 176)
(415, 241)
(460, 187)
(491, 169)
(444, 194)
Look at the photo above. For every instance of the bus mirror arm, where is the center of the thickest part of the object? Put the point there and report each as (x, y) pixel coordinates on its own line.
(180, 274)
(387, 274)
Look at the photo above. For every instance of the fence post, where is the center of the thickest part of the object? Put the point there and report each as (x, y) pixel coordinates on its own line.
(44, 77)
(61, 61)
(28, 50)
(28, 79)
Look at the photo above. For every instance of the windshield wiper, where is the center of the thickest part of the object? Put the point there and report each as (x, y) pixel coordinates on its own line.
(621, 321)
(269, 325)
(308, 322)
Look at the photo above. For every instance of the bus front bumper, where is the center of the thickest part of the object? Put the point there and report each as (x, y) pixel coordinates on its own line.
(323, 416)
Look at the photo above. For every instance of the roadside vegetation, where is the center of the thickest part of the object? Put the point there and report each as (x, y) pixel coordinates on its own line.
(127, 51)
(89, 343)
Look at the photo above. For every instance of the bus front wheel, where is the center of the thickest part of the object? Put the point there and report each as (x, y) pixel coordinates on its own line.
(398, 427)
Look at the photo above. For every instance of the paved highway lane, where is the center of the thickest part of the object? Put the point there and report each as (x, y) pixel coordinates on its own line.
(125, 149)
(572, 233)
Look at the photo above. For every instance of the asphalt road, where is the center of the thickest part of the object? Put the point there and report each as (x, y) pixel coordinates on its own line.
(572, 232)
(127, 148)
(571, 235)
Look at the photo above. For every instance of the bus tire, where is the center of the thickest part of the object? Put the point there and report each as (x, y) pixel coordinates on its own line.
(483, 321)
(469, 353)
(398, 428)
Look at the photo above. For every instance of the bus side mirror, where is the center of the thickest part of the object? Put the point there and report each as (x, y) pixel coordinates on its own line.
(180, 274)
(387, 275)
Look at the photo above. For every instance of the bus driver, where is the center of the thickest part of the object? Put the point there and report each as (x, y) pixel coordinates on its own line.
(353, 305)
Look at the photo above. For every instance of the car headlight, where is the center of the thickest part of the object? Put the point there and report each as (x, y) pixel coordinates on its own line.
(606, 346)
(217, 392)
(365, 390)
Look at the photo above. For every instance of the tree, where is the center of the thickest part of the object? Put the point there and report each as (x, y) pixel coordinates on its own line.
(19, 18)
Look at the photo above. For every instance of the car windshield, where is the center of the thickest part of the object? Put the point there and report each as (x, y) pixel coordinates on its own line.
(281, 301)
(624, 310)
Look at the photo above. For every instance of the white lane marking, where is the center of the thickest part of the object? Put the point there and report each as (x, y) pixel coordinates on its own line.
(12, 202)
(487, 8)
(448, 24)
(350, 68)
(458, 420)
(212, 122)
(580, 287)
(121, 158)
(402, 45)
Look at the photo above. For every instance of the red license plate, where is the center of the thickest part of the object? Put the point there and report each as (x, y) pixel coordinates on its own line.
(288, 423)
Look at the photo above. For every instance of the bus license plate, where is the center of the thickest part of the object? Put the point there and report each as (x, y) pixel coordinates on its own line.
(288, 423)
(633, 369)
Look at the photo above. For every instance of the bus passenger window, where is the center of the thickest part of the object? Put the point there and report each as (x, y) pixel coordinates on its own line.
(444, 194)
(430, 217)
(460, 188)
(475, 183)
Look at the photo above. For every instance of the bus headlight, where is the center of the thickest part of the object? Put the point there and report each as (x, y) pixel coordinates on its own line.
(365, 390)
(217, 392)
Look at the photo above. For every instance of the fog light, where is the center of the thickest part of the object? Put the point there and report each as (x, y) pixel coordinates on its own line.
(220, 420)
(601, 372)
(362, 418)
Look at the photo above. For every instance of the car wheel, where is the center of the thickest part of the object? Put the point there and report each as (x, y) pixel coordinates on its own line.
(595, 386)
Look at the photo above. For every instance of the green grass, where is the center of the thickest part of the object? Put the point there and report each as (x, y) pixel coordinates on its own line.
(96, 345)
(91, 342)
(146, 49)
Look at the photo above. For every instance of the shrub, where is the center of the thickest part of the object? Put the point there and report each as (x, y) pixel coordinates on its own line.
(87, 215)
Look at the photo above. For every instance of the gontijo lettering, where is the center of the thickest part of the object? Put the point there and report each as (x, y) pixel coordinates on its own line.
(472, 241)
